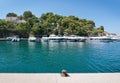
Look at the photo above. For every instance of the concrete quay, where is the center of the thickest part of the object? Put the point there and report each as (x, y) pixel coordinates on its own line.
(56, 78)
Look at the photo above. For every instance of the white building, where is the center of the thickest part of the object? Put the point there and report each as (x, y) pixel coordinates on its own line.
(14, 19)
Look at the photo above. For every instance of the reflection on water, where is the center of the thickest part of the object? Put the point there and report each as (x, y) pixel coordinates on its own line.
(62, 45)
(31, 44)
(52, 57)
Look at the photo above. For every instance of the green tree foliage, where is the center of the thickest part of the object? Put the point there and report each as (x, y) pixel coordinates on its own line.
(20, 17)
(23, 29)
(49, 23)
(27, 15)
(11, 15)
(6, 28)
(37, 30)
(3, 24)
(101, 28)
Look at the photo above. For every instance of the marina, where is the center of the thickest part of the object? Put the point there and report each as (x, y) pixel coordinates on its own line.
(72, 38)
(55, 38)
(59, 41)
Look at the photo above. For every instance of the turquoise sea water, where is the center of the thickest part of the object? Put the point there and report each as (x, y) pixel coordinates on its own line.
(52, 57)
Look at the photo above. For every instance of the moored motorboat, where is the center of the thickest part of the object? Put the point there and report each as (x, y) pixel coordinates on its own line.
(32, 39)
(63, 39)
(44, 39)
(101, 39)
(115, 38)
(15, 39)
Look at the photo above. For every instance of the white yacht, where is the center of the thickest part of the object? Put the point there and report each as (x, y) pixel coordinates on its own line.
(32, 38)
(15, 39)
(45, 39)
(56, 39)
(115, 38)
(63, 39)
(76, 39)
(101, 39)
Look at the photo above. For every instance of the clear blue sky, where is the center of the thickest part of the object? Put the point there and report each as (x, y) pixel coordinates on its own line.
(102, 12)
